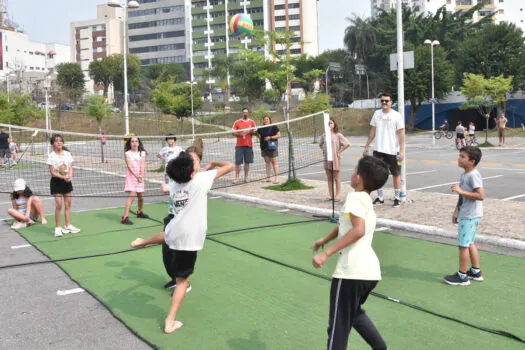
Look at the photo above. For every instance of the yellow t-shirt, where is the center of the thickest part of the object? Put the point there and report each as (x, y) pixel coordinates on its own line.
(358, 261)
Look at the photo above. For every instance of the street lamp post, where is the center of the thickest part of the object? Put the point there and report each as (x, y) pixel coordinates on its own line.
(192, 114)
(130, 5)
(433, 101)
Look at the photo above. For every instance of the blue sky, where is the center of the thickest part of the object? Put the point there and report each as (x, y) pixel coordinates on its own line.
(48, 21)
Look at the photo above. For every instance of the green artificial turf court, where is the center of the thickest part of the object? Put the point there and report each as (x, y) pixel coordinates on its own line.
(240, 301)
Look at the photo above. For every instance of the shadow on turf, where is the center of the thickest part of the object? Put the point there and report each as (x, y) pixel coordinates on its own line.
(252, 343)
(397, 271)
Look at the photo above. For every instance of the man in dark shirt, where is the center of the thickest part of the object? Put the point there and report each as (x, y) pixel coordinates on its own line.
(4, 147)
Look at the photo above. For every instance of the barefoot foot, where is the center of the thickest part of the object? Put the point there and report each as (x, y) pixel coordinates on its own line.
(44, 222)
(172, 326)
(138, 243)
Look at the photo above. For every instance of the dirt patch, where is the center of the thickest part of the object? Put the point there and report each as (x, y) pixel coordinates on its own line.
(501, 218)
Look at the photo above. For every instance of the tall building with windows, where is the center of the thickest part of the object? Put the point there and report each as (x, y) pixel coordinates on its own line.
(210, 36)
(157, 32)
(95, 39)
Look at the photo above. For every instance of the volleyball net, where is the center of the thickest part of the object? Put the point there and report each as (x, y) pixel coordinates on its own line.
(99, 167)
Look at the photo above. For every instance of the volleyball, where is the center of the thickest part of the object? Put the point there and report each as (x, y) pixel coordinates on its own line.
(241, 25)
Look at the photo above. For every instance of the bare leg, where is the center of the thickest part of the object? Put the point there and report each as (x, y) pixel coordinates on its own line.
(275, 170)
(140, 200)
(171, 324)
(463, 259)
(474, 256)
(58, 209)
(157, 238)
(237, 171)
(67, 208)
(396, 181)
(37, 209)
(267, 164)
(129, 202)
(246, 168)
(18, 216)
(329, 180)
(337, 178)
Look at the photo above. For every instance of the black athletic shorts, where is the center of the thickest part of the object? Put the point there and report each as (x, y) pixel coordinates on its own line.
(60, 186)
(391, 160)
(460, 136)
(180, 263)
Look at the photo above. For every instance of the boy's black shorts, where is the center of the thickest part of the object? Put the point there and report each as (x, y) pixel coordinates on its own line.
(390, 160)
(178, 263)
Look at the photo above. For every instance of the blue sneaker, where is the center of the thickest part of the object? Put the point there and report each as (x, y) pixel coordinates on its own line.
(456, 280)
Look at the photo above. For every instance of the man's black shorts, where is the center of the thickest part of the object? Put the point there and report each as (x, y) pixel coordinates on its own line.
(391, 160)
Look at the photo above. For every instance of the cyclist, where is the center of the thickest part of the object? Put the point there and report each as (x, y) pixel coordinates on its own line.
(444, 128)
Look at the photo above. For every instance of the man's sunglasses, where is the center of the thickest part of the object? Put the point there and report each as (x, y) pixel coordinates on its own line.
(385, 101)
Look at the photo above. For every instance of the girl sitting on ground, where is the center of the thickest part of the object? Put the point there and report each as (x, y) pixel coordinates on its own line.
(26, 207)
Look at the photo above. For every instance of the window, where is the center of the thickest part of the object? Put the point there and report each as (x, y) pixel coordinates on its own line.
(179, 59)
(159, 23)
(157, 11)
(158, 48)
(154, 36)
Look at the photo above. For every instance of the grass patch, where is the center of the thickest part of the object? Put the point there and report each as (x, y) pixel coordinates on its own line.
(290, 185)
(486, 144)
(159, 170)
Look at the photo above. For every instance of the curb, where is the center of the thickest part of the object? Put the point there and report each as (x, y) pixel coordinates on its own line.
(400, 225)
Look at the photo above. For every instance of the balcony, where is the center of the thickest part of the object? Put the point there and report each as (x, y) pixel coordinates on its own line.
(99, 44)
(97, 55)
(96, 33)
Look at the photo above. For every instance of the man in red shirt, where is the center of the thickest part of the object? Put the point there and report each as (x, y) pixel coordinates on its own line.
(244, 145)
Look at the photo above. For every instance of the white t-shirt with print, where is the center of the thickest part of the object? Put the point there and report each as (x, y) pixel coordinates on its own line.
(358, 261)
(170, 153)
(387, 125)
(61, 163)
(187, 230)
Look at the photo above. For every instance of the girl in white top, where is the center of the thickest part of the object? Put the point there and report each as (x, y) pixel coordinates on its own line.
(60, 166)
(26, 207)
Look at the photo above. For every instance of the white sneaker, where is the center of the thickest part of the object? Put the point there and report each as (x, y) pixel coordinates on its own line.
(70, 229)
(58, 232)
(18, 224)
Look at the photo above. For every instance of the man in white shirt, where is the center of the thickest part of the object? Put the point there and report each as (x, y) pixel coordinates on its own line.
(388, 129)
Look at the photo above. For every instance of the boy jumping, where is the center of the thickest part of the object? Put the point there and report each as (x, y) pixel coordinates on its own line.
(186, 232)
(468, 212)
(357, 271)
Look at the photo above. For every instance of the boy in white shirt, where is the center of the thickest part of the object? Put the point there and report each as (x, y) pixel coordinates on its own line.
(186, 232)
(357, 271)
(168, 153)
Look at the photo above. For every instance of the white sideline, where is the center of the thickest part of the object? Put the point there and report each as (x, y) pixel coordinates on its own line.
(400, 225)
(451, 183)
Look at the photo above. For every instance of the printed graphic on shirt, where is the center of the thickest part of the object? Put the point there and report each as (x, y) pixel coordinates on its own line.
(180, 201)
(62, 169)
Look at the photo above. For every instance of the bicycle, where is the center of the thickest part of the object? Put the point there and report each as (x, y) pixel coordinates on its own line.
(448, 134)
(470, 141)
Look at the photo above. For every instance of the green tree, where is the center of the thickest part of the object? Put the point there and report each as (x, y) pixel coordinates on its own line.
(494, 50)
(485, 94)
(360, 38)
(418, 81)
(19, 110)
(313, 104)
(99, 109)
(161, 72)
(222, 66)
(109, 71)
(244, 74)
(175, 99)
(71, 80)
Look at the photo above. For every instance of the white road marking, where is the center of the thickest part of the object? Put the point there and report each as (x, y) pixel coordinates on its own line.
(502, 154)
(282, 210)
(69, 291)
(451, 183)
(216, 197)
(514, 197)
(422, 172)
(323, 172)
(380, 229)
(20, 246)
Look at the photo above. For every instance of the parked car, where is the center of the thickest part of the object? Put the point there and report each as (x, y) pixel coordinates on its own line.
(66, 107)
(339, 104)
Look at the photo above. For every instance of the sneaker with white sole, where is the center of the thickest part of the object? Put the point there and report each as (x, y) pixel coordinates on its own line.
(70, 229)
(18, 224)
(456, 280)
(58, 232)
(188, 288)
(378, 201)
(475, 276)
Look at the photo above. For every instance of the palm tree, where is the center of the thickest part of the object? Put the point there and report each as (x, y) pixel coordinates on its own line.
(360, 38)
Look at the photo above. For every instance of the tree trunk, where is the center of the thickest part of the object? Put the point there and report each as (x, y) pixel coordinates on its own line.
(182, 126)
(413, 112)
(101, 144)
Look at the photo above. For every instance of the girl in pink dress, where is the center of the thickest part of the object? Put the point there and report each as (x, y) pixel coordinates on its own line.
(136, 162)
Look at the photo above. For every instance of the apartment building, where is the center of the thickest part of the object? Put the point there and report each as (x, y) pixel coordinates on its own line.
(95, 39)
